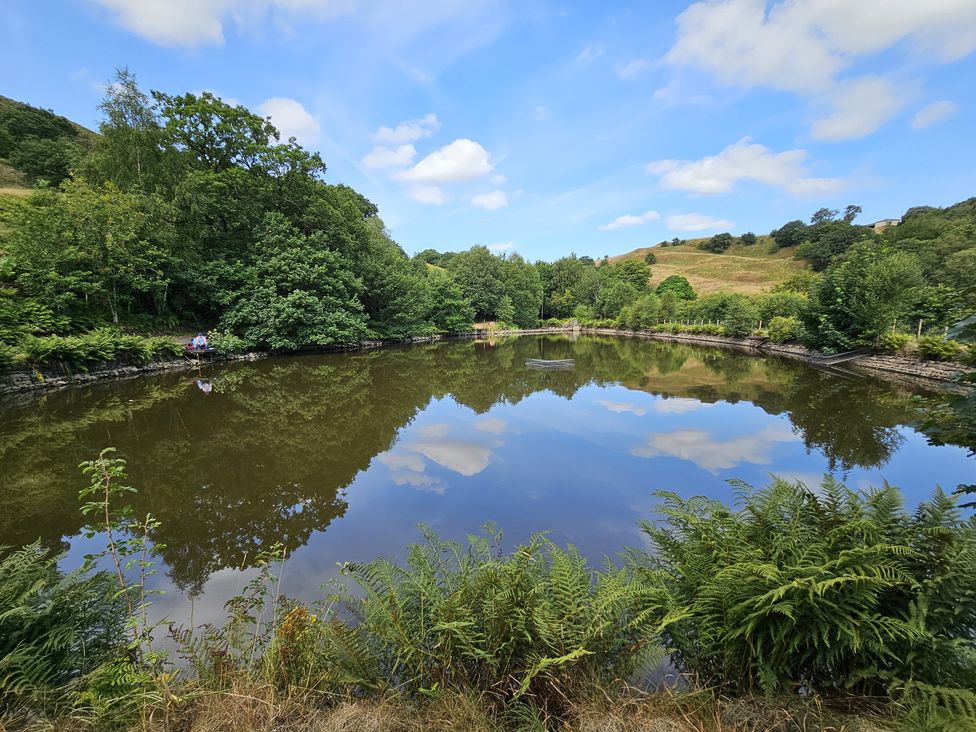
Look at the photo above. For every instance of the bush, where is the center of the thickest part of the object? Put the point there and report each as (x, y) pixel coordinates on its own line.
(828, 590)
(54, 628)
(530, 623)
(98, 346)
(937, 348)
(893, 342)
(224, 342)
(784, 330)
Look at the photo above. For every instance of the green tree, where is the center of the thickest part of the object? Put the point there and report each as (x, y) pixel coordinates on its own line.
(450, 311)
(861, 296)
(298, 293)
(790, 234)
(748, 239)
(479, 274)
(718, 243)
(524, 289)
(679, 286)
(615, 297)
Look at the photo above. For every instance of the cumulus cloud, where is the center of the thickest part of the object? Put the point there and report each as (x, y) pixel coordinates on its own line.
(697, 222)
(933, 113)
(632, 69)
(409, 131)
(490, 201)
(460, 456)
(458, 161)
(860, 107)
(491, 424)
(628, 220)
(742, 160)
(712, 454)
(291, 118)
(384, 157)
(198, 22)
(678, 405)
(501, 247)
(622, 407)
(804, 46)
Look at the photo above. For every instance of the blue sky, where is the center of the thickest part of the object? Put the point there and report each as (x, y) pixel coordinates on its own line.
(550, 127)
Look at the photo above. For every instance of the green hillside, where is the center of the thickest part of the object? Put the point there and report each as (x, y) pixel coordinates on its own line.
(36, 144)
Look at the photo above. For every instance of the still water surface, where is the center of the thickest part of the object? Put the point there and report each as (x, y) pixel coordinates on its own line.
(340, 456)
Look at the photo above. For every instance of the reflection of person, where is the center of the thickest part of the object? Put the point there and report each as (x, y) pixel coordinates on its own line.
(200, 342)
(205, 386)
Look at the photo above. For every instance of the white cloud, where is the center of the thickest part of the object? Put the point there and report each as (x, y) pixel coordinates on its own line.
(409, 131)
(860, 107)
(633, 69)
(742, 160)
(712, 454)
(397, 461)
(490, 201)
(198, 22)
(628, 220)
(540, 113)
(933, 113)
(804, 46)
(426, 194)
(622, 407)
(466, 458)
(384, 157)
(461, 160)
(678, 405)
(696, 222)
(590, 53)
(491, 424)
(502, 246)
(291, 118)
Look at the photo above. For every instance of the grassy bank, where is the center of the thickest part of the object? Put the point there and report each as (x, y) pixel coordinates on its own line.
(800, 610)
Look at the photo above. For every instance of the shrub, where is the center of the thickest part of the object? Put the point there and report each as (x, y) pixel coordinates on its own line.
(893, 342)
(535, 623)
(97, 346)
(833, 591)
(784, 330)
(937, 348)
(54, 628)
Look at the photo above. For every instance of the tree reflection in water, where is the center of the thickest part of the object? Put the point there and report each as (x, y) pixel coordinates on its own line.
(268, 454)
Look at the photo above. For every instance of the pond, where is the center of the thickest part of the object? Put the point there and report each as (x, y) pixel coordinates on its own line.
(340, 456)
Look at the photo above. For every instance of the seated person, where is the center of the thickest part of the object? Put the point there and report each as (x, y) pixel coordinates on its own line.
(200, 342)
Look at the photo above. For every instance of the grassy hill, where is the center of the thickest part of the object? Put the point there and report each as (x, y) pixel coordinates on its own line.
(746, 269)
(36, 144)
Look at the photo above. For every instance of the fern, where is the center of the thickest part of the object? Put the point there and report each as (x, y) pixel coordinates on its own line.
(834, 591)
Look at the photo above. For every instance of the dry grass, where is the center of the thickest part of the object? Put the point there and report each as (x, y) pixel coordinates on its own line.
(261, 708)
(749, 270)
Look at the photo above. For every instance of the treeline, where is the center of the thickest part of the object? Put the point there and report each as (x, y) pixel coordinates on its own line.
(187, 212)
(823, 598)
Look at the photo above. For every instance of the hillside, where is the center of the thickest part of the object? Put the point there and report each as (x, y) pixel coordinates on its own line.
(746, 269)
(36, 144)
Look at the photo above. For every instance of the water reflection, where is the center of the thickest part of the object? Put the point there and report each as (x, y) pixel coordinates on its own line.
(452, 434)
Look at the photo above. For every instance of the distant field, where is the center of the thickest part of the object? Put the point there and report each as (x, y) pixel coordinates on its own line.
(741, 269)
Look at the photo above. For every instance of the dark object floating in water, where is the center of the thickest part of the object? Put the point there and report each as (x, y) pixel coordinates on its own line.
(541, 363)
